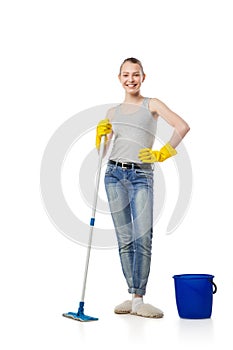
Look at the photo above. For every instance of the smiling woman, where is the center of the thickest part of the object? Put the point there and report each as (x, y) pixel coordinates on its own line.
(131, 74)
(131, 126)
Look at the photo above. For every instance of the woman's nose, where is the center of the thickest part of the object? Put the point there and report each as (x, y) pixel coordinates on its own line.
(131, 78)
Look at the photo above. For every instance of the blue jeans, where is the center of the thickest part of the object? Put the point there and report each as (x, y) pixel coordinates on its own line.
(130, 196)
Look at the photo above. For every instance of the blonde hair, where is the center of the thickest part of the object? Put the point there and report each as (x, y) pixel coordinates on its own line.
(132, 60)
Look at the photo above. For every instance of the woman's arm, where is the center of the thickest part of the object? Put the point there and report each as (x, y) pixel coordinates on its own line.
(180, 126)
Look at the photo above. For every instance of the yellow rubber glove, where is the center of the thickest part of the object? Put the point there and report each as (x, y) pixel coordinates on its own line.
(146, 155)
(103, 128)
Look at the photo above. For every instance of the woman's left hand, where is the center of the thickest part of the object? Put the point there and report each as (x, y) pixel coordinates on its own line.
(147, 155)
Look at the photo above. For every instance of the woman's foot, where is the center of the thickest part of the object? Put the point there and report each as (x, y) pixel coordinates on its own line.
(138, 308)
(147, 310)
(124, 308)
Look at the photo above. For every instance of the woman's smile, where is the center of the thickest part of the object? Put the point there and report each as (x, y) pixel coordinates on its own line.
(131, 85)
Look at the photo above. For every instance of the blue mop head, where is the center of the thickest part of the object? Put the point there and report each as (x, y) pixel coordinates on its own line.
(80, 316)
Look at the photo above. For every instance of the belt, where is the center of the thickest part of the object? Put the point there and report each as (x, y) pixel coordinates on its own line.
(131, 165)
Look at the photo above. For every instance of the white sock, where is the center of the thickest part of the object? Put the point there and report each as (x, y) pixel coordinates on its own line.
(136, 302)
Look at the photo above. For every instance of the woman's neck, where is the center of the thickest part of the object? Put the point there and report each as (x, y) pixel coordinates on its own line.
(135, 99)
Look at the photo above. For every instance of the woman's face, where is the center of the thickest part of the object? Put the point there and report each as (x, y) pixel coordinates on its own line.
(131, 77)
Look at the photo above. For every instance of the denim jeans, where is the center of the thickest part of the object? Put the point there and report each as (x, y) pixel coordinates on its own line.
(130, 197)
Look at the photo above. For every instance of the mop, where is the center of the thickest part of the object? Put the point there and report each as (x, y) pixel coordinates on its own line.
(80, 316)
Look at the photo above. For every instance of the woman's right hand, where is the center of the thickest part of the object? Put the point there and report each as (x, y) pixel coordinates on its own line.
(103, 128)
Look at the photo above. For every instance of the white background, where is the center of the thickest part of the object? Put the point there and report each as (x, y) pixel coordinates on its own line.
(59, 58)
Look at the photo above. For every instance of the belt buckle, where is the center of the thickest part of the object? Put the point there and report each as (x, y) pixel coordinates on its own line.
(124, 165)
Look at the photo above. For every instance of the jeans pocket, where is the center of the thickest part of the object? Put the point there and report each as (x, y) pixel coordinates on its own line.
(146, 173)
(109, 170)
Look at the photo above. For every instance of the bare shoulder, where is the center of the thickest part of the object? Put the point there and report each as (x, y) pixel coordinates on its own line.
(156, 105)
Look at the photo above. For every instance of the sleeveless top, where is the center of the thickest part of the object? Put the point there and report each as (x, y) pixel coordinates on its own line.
(134, 128)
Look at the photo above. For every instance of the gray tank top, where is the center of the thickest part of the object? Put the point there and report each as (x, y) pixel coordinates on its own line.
(134, 128)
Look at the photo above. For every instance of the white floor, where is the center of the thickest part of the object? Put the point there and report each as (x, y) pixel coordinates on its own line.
(46, 281)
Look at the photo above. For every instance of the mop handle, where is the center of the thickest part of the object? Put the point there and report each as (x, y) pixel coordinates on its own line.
(92, 221)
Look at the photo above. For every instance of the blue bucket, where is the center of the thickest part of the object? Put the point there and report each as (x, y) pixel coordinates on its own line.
(194, 295)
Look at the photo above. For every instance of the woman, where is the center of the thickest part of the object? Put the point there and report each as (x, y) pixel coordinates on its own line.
(131, 128)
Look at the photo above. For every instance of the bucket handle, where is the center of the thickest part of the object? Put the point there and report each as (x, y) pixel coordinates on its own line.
(215, 287)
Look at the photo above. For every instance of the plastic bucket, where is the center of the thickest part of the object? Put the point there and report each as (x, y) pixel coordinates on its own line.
(194, 295)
